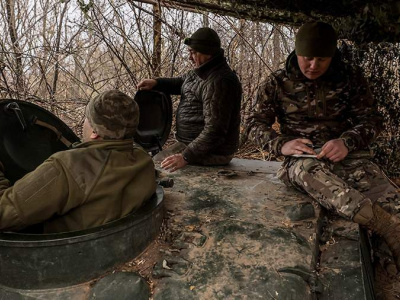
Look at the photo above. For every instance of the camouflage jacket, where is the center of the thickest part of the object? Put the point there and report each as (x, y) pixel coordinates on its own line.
(90, 185)
(208, 115)
(338, 104)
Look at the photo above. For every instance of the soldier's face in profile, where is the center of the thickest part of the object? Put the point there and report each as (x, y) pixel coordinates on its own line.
(198, 58)
(313, 67)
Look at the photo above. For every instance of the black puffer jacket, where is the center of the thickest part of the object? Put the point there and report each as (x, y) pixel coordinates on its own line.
(208, 115)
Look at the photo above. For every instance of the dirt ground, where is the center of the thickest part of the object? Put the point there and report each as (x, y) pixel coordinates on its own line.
(387, 286)
(145, 262)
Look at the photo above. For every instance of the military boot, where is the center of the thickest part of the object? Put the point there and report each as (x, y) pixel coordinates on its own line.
(383, 224)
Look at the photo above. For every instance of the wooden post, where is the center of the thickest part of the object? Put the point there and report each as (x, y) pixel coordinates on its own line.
(156, 58)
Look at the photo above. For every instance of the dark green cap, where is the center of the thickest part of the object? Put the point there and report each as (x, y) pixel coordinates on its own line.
(113, 115)
(204, 40)
(316, 39)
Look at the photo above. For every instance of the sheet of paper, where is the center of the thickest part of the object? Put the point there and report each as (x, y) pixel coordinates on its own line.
(304, 155)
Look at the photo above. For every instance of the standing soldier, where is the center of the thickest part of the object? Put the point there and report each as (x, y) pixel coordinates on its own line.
(325, 109)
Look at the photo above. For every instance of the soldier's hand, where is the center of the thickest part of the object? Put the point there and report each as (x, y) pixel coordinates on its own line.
(174, 162)
(334, 150)
(146, 84)
(297, 146)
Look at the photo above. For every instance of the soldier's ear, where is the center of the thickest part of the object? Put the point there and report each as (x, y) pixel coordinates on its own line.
(94, 135)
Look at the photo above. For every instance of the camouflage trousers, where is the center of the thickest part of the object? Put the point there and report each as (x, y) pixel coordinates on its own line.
(179, 147)
(342, 187)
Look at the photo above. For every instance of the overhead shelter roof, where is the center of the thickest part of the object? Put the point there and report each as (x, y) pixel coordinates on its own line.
(358, 20)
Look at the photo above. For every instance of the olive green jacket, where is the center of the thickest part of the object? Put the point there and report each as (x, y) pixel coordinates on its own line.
(92, 184)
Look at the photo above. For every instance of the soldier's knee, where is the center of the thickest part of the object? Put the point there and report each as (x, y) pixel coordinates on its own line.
(309, 165)
(303, 168)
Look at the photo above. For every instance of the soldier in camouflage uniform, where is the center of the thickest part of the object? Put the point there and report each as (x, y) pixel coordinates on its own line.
(326, 112)
(100, 180)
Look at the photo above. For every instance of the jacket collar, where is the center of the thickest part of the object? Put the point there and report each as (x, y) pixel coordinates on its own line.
(206, 69)
(106, 144)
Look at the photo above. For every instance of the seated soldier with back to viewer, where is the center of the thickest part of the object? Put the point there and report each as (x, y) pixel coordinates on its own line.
(208, 115)
(321, 102)
(102, 179)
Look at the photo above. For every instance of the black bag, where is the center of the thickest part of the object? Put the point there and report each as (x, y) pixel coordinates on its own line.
(155, 120)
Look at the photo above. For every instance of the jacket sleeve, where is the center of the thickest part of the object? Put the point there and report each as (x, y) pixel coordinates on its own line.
(261, 116)
(34, 198)
(363, 114)
(4, 182)
(219, 100)
(171, 86)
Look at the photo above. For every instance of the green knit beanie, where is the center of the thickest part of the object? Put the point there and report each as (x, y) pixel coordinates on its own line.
(113, 115)
(316, 39)
(204, 40)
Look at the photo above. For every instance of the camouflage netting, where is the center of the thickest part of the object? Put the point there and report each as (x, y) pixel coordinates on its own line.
(380, 63)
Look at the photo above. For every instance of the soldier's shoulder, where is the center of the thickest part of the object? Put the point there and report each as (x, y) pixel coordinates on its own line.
(275, 78)
(281, 73)
(70, 153)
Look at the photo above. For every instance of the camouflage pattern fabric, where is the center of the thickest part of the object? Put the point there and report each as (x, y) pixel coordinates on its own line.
(338, 104)
(343, 187)
(113, 115)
